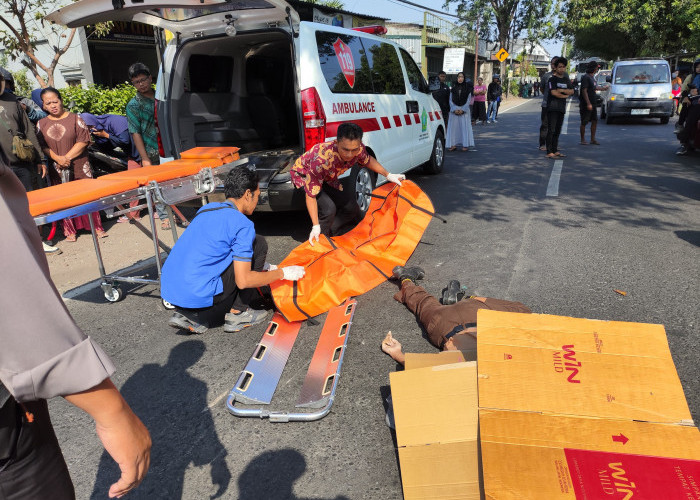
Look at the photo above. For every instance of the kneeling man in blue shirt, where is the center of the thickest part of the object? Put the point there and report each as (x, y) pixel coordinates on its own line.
(213, 271)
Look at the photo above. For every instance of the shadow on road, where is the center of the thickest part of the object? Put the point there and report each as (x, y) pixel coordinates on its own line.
(173, 406)
(271, 476)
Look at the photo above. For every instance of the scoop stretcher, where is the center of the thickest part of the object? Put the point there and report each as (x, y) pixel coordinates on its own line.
(196, 174)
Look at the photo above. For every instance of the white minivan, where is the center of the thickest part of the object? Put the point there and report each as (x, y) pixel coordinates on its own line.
(250, 74)
(639, 88)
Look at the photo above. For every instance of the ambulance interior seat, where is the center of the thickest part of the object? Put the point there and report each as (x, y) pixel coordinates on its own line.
(238, 95)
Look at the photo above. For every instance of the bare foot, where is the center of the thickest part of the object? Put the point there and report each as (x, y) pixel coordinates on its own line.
(392, 347)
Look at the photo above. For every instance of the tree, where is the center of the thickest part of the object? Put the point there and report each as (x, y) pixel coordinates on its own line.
(332, 4)
(22, 28)
(630, 28)
(505, 20)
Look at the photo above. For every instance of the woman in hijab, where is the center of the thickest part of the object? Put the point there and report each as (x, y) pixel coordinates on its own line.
(459, 126)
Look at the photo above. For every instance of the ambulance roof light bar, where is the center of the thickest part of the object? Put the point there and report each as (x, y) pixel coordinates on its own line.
(372, 30)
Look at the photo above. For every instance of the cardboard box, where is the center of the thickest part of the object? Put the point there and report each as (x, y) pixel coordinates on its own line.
(435, 411)
(582, 409)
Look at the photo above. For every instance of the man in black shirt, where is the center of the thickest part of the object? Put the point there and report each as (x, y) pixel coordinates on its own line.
(442, 96)
(559, 88)
(587, 97)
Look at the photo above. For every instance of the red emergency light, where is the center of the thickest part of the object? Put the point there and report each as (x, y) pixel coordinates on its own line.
(372, 30)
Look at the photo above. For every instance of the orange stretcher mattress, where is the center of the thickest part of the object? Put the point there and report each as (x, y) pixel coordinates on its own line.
(75, 193)
(349, 265)
(225, 153)
(79, 192)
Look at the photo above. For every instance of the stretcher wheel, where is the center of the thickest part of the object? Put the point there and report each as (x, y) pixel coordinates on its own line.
(114, 294)
(167, 304)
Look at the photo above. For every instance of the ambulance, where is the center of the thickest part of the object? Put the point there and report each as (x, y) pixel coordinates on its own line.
(248, 73)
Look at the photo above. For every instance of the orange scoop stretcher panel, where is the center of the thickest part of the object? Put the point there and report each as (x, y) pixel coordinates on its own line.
(79, 192)
(75, 193)
(349, 265)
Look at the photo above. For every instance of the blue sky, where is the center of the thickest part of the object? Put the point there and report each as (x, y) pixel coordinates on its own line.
(400, 12)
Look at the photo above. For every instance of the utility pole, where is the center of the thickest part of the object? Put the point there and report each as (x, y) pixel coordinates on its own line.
(476, 50)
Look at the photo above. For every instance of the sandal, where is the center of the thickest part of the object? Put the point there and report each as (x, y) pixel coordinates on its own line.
(584, 143)
(72, 238)
(101, 234)
(559, 155)
(595, 142)
(165, 224)
(551, 155)
(465, 149)
(452, 148)
(122, 219)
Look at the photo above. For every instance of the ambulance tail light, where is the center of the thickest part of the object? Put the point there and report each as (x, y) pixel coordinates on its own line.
(314, 118)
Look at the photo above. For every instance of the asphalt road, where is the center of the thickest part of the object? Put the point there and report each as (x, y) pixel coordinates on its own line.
(624, 216)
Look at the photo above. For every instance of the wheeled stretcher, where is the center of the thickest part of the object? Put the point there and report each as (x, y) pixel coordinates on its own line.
(196, 174)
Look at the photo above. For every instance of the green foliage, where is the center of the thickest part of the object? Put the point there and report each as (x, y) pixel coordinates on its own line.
(98, 100)
(513, 86)
(631, 28)
(23, 85)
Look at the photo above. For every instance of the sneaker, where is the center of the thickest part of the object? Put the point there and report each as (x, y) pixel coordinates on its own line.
(50, 249)
(682, 151)
(495, 121)
(249, 317)
(402, 273)
(182, 322)
(452, 293)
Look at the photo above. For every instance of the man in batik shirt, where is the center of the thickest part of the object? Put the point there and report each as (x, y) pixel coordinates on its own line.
(332, 210)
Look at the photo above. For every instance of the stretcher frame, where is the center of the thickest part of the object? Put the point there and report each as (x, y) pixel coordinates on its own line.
(320, 383)
(168, 192)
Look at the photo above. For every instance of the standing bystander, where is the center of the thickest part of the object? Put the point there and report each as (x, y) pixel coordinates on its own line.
(543, 115)
(141, 116)
(480, 101)
(587, 104)
(559, 88)
(493, 94)
(442, 96)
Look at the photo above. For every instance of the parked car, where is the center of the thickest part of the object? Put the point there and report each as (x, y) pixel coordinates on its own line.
(639, 88)
(250, 74)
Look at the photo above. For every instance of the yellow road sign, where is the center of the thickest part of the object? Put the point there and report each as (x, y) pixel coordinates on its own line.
(502, 55)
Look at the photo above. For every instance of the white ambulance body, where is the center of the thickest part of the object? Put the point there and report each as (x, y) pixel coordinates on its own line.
(249, 74)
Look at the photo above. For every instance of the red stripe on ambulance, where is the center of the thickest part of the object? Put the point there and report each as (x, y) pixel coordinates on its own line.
(407, 119)
(416, 118)
(366, 124)
(430, 114)
(385, 122)
(397, 120)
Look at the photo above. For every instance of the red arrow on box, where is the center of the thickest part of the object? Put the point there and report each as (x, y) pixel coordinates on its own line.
(620, 438)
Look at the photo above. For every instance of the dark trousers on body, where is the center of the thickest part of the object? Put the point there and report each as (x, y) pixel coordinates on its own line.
(338, 211)
(26, 176)
(439, 320)
(231, 296)
(36, 469)
(543, 127)
(479, 111)
(555, 119)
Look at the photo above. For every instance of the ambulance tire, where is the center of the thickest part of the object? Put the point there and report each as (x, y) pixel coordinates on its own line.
(437, 157)
(362, 182)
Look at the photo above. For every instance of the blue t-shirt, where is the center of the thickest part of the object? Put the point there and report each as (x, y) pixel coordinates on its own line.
(191, 275)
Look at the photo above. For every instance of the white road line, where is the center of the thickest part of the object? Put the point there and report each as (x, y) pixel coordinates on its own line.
(565, 125)
(516, 106)
(553, 186)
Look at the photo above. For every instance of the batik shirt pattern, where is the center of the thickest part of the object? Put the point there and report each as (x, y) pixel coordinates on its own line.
(322, 163)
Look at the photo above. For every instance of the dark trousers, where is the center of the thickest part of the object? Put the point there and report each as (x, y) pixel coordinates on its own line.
(338, 211)
(26, 176)
(479, 111)
(231, 296)
(690, 127)
(555, 119)
(439, 320)
(543, 127)
(37, 469)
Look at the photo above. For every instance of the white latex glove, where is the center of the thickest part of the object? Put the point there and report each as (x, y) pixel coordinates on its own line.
(293, 273)
(269, 267)
(314, 234)
(396, 178)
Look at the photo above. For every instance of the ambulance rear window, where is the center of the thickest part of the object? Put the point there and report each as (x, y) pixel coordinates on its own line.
(357, 65)
(209, 74)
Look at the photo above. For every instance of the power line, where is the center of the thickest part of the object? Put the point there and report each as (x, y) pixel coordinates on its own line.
(429, 9)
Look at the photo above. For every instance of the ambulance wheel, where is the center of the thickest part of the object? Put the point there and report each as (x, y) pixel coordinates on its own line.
(362, 180)
(114, 294)
(168, 306)
(664, 120)
(437, 157)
